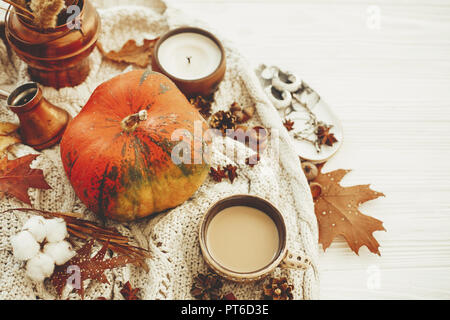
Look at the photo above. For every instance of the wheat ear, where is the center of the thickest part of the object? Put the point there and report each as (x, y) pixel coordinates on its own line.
(46, 12)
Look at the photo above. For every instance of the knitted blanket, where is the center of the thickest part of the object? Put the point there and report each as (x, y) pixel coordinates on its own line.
(172, 237)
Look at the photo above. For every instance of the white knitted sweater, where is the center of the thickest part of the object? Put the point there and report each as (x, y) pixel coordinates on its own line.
(171, 237)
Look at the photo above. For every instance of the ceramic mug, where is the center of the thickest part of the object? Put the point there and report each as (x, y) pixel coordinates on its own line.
(283, 258)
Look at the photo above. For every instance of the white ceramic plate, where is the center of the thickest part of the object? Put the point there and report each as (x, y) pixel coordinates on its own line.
(297, 113)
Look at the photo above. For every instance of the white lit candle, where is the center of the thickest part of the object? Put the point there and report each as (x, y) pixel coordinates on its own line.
(189, 56)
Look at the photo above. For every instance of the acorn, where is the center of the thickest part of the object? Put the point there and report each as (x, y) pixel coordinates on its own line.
(241, 117)
(316, 190)
(235, 107)
(249, 111)
(310, 170)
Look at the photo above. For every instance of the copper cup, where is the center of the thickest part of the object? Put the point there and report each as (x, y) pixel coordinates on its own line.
(42, 124)
(283, 258)
(204, 86)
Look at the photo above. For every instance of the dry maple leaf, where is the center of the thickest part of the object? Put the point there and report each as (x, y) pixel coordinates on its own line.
(16, 177)
(337, 212)
(132, 53)
(128, 292)
(89, 268)
(288, 124)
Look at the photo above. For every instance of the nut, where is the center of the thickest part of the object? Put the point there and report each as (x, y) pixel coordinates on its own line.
(310, 170)
(241, 117)
(249, 111)
(316, 190)
(235, 107)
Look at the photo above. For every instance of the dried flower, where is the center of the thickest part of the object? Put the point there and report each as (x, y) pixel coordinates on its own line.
(203, 105)
(324, 135)
(207, 287)
(231, 171)
(223, 120)
(288, 124)
(278, 289)
(46, 12)
(128, 292)
(217, 174)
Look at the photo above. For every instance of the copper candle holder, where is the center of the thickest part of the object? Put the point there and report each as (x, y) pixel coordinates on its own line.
(55, 57)
(42, 124)
(205, 86)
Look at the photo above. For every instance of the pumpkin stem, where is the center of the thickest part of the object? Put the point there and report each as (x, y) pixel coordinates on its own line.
(131, 122)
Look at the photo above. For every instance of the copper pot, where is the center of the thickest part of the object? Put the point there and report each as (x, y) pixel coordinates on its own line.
(41, 123)
(55, 57)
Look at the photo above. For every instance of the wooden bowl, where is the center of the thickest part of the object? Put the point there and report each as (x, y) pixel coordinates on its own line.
(204, 86)
(248, 201)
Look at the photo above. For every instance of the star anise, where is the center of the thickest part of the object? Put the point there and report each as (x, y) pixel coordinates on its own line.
(278, 289)
(207, 286)
(128, 292)
(223, 120)
(288, 124)
(231, 171)
(324, 136)
(217, 174)
(203, 105)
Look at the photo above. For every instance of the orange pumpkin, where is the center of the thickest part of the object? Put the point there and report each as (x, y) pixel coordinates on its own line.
(117, 152)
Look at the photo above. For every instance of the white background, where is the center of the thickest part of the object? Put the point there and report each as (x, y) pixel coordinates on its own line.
(390, 85)
(391, 88)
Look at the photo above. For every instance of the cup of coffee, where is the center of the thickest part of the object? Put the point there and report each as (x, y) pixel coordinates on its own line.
(243, 238)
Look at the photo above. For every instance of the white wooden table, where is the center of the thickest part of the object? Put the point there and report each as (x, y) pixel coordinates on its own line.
(389, 82)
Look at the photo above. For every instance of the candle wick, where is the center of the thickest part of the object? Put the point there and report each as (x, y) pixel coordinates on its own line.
(189, 59)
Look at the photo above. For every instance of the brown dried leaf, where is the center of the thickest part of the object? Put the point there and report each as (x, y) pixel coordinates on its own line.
(337, 213)
(90, 268)
(132, 53)
(16, 177)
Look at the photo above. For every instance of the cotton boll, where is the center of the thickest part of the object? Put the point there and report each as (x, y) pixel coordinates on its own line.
(36, 226)
(56, 230)
(24, 245)
(61, 252)
(40, 267)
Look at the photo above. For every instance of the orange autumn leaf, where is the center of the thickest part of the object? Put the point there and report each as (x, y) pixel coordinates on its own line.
(337, 213)
(132, 53)
(16, 177)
